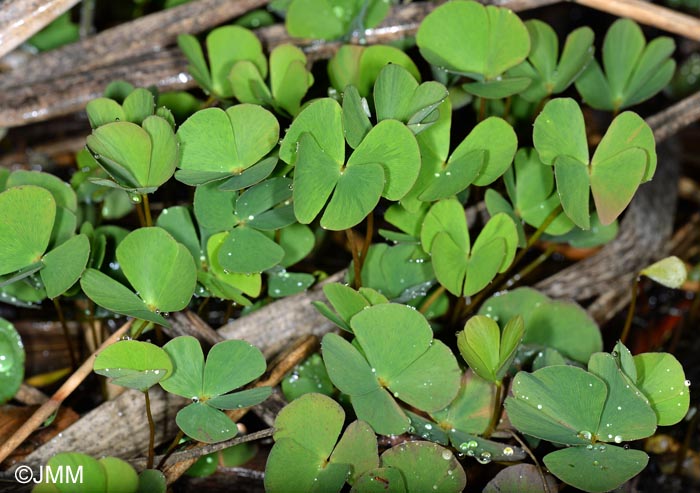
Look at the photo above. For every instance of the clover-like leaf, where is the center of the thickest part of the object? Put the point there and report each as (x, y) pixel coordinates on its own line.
(217, 143)
(596, 469)
(669, 271)
(225, 46)
(306, 432)
(133, 364)
(399, 354)
(229, 365)
(486, 350)
(549, 73)
(661, 379)
(28, 214)
(166, 285)
(634, 70)
(468, 38)
(459, 267)
(386, 163)
(136, 107)
(11, 360)
(624, 158)
(138, 158)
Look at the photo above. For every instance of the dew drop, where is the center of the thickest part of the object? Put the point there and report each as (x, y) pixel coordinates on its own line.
(484, 458)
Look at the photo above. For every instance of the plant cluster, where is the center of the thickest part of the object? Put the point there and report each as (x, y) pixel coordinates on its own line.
(380, 146)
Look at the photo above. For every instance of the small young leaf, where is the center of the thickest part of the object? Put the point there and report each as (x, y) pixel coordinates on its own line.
(670, 272)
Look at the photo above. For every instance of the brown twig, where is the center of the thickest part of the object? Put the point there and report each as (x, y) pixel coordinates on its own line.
(20, 19)
(649, 14)
(173, 468)
(147, 34)
(357, 266)
(151, 431)
(62, 81)
(50, 406)
(191, 455)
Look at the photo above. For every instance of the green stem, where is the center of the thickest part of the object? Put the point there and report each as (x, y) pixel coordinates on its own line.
(501, 278)
(87, 18)
(146, 210)
(368, 239)
(525, 271)
(482, 109)
(139, 213)
(66, 333)
(428, 302)
(506, 107)
(151, 432)
(355, 259)
(683, 450)
(136, 331)
(630, 311)
(203, 305)
(496, 410)
(171, 448)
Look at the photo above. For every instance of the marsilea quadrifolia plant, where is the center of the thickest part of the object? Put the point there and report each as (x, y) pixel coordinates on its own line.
(271, 163)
